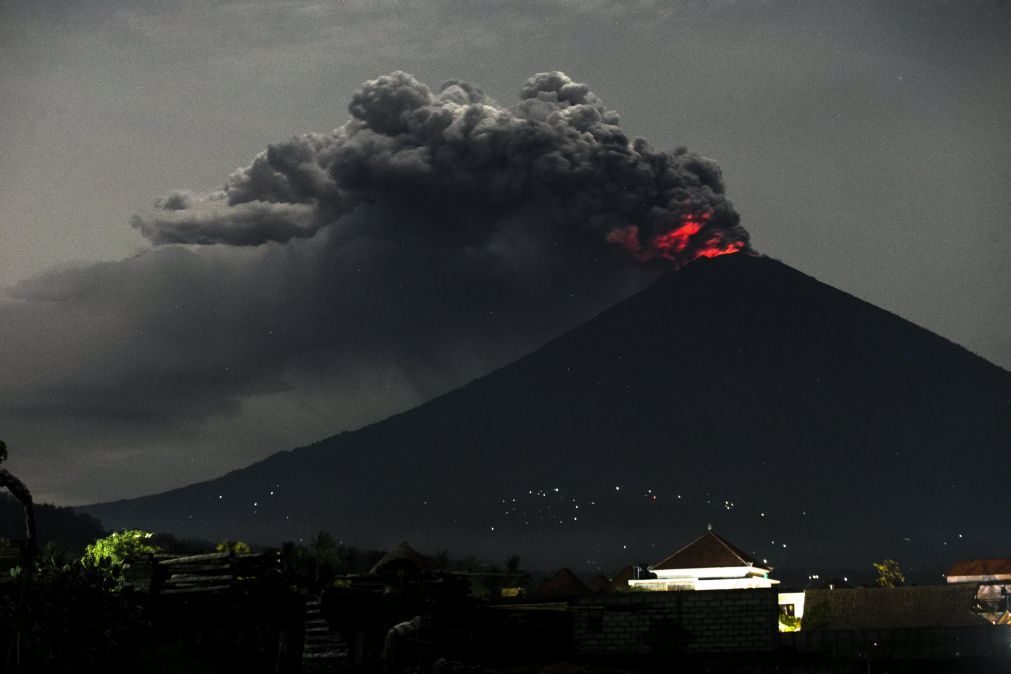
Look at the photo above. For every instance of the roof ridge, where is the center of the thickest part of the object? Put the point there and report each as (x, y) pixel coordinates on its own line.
(680, 550)
(706, 541)
(734, 550)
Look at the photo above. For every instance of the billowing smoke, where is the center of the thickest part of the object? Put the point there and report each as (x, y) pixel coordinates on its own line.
(472, 162)
(341, 277)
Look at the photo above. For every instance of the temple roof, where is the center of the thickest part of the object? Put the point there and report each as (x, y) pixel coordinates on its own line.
(707, 551)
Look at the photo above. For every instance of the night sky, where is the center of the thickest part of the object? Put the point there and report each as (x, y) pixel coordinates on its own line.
(173, 309)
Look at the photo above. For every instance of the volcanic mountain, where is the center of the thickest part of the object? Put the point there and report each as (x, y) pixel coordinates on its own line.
(816, 431)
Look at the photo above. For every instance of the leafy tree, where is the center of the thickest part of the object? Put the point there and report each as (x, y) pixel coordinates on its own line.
(323, 543)
(238, 547)
(117, 547)
(889, 573)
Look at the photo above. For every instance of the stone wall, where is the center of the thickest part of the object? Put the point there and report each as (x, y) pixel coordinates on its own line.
(650, 623)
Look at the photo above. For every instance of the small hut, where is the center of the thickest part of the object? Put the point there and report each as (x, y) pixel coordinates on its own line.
(562, 586)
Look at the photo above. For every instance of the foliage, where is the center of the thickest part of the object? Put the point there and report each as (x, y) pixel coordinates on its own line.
(889, 573)
(320, 563)
(66, 617)
(114, 549)
(788, 623)
(238, 547)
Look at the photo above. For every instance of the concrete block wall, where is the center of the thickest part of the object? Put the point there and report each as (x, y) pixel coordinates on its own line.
(649, 623)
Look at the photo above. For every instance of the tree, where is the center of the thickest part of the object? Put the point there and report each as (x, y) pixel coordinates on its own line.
(238, 547)
(117, 547)
(889, 573)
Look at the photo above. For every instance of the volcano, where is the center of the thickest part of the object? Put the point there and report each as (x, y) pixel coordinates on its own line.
(816, 431)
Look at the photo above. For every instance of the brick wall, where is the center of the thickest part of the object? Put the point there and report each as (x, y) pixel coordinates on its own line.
(718, 621)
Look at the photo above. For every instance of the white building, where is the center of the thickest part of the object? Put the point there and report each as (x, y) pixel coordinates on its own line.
(707, 563)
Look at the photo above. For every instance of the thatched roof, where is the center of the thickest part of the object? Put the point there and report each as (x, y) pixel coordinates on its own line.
(562, 585)
(599, 584)
(403, 554)
(620, 581)
(891, 607)
(707, 551)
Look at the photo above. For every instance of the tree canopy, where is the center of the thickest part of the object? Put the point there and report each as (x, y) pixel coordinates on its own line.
(889, 573)
(118, 546)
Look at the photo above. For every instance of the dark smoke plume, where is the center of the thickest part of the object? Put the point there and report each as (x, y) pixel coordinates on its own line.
(461, 155)
(342, 277)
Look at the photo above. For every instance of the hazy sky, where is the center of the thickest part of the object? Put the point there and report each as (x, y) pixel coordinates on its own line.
(863, 143)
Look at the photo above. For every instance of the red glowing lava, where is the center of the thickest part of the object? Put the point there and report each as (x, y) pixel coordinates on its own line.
(677, 245)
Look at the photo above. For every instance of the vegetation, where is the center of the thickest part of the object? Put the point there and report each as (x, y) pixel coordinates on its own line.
(319, 564)
(889, 573)
(789, 623)
(65, 616)
(237, 547)
(68, 613)
(113, 550)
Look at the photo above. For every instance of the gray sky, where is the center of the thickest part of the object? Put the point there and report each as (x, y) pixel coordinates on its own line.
(863, 143)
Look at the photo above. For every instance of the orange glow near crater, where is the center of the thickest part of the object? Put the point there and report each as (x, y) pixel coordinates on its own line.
(675, 244)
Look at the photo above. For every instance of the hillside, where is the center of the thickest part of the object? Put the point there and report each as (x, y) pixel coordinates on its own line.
(811, 428)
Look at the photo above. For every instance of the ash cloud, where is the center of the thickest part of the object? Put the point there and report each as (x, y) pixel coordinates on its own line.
(459, 153)
(431, 238)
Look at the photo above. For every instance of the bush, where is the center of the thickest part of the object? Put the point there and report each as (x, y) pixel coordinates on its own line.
(65, 616)
(116, 548)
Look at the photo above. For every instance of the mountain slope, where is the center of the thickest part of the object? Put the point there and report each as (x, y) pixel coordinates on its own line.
(811, 428)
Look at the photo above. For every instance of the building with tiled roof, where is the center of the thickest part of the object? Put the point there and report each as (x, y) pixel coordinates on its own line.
(980, 571)
(992, 580)
(710, 562)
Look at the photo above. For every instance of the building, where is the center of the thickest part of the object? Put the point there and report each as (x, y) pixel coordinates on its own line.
(993, 579)
(995, 571)
(895, 623)
(710, 562)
